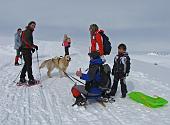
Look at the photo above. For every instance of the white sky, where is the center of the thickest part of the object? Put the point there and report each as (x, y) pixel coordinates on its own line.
(128, 20)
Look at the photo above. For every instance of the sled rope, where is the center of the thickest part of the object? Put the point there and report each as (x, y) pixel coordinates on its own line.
(71, 78)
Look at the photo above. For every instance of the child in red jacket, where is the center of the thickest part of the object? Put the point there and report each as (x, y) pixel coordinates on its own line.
(66, 44)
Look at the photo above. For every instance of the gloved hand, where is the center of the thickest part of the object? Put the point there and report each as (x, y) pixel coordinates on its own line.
(33, 50)
(36, 47)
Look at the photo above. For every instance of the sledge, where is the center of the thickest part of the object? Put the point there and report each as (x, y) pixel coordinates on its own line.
(151, 102)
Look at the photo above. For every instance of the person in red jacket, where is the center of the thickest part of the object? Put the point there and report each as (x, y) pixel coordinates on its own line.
(96, 39)
(66, 43)
(27, 48)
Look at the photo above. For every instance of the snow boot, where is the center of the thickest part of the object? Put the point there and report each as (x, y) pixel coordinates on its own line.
(123, 96)
(80, 101)
(32, 82)
(21, 82)
(17, 64)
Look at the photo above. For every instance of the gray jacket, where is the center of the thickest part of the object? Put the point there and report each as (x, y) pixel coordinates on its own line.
(17, 41)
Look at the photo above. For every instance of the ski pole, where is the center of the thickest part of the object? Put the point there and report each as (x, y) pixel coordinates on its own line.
(38, 64)
(17, 76)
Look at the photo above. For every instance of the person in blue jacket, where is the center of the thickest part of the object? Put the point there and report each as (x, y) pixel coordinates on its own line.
(17, 45)
(92, 78)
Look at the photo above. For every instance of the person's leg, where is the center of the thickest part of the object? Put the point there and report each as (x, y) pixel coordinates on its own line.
(123, 87)
(28, 62)
(24, 69)
(17, 57)
(81, 89)
(78, 91)
(114, 86)
(66, 51)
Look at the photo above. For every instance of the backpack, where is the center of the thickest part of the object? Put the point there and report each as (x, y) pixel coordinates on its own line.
(105, 71)
(106, 44)
(105, 82)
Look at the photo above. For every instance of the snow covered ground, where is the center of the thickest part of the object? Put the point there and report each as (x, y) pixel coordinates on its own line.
(51, 104)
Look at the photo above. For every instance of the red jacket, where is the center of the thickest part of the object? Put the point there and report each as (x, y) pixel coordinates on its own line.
(97, 39)
(66, 43)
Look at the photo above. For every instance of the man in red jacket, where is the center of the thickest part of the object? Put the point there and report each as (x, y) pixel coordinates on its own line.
(27, 48)
(96, 39)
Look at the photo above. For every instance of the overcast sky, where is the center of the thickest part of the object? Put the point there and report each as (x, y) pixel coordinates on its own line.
(134, 21)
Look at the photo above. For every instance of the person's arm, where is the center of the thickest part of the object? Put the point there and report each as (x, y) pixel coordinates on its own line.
(100, 43)
(128, 64)
(114, 65)
(93, 44)
(85, 77)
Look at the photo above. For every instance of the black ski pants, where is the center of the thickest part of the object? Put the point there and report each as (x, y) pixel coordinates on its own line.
(115, 85)
(27, 55)
(67, 50)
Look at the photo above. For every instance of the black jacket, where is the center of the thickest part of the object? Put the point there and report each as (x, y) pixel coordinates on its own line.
(121, 65)
(27, 39)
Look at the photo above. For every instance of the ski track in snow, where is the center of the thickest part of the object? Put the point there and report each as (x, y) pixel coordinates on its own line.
(51, 103)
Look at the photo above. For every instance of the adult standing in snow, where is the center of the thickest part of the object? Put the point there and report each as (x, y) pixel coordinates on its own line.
(27, 48)
(66, 43)
(17, 45)
(96, 39)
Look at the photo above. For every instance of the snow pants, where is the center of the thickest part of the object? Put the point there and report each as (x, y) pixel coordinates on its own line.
(115, 85)
(67, 50)
(27, 55)
(77, 90)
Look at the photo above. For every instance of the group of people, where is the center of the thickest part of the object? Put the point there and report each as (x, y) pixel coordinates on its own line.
(24, 44)
(98, 74)
(95, 77)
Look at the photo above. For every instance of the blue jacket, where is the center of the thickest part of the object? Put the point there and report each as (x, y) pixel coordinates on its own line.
(93, 75)
(17, 41)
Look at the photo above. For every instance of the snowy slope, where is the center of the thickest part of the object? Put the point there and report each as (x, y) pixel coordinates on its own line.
(51, 104)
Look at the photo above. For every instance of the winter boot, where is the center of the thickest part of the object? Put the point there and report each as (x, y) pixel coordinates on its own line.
(80, 101)
(17, 64)
(32, 82)
(21, 82)
(123, 96)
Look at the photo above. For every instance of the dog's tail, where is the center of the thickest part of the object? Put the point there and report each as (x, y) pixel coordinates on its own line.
(43, 64)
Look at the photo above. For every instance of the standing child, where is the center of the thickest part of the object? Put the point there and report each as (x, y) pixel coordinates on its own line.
(66, 44)
(120, 71)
